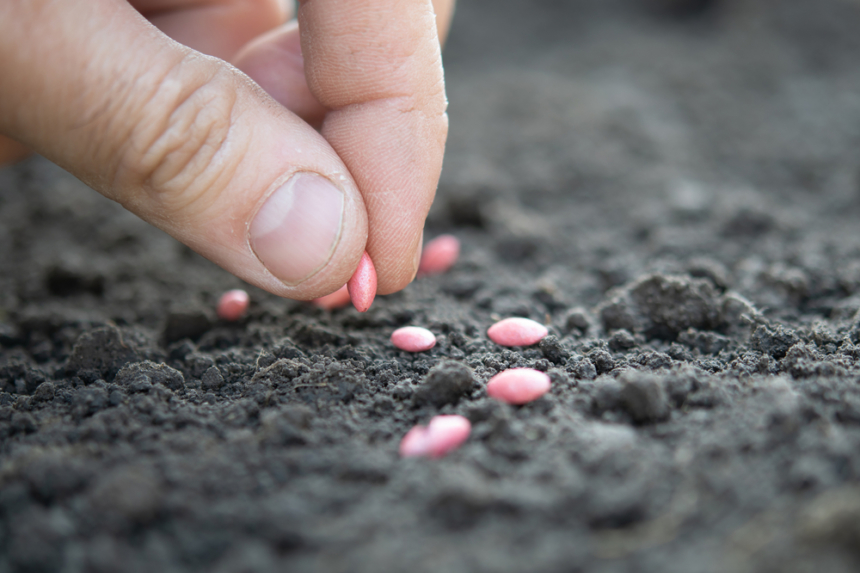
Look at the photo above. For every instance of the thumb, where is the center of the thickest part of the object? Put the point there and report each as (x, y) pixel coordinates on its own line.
(185, 141)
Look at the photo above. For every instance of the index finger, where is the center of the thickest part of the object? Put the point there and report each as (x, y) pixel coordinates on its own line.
(377, 65)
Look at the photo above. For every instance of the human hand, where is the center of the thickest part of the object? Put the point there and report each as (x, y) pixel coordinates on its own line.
(187, 143)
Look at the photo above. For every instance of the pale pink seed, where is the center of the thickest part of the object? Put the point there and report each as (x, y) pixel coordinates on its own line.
(447, 433)
(337, 299)
(415, 443)
(517, 332)
(439, 255)
(232, 305)
(413, 339)
(518, 385)
(362, 285)
(442, 435)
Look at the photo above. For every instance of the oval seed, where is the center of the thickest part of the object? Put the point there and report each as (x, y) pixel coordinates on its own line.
(442, 435)
(362, 285)
(232, 305)
(517, 332)
(337, 299)
(413, 339)
(439, 255)
(518, 385)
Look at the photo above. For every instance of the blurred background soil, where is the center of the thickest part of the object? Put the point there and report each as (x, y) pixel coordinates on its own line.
(672, 186)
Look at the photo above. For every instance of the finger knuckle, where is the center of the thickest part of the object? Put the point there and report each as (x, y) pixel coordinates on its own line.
(183, 148)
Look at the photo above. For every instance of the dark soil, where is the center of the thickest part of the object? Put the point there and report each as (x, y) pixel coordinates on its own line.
(673, 187)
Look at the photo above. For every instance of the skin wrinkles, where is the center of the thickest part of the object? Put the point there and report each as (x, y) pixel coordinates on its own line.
(179, 159)
(393, 67)
(193, 134)
(104, 100)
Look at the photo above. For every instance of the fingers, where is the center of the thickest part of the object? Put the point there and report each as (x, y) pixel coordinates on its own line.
(274, 60)
(185, 141)
(377, 66)
(11, 151)
(214, 27)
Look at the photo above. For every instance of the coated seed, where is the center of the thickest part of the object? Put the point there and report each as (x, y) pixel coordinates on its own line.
(232, 305)
(362, 285)
(413, 339)
(517, 332)
(442, 435)
(439, 255)
(518, 385)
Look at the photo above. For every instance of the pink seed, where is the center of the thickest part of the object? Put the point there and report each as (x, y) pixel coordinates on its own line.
(517, 332)
(518, 385)
(362, 285)
(232, 305)
(442, 435)
(337, 299)
(439, 255)
(413, 339)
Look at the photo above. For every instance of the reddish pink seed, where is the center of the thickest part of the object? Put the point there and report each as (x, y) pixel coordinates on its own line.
(439, 255)
(362, 285)
(517, 332)
(232, 305)
(337, 299)
(442, 435)
(518, 385)
(413, 339)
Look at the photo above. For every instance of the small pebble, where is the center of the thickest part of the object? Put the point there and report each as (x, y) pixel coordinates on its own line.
(362, 285)
(439, 255)
(413, 339)
(337, 299)
(442, 435)
(518, 385)
(517, 332)
(232, 305)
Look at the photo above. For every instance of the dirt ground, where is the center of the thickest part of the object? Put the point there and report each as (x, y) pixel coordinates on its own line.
(671, 186)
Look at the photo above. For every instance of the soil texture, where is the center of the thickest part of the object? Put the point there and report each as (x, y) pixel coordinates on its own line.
(671, 186)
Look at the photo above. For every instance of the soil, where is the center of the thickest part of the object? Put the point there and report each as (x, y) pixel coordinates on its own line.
(671, 186)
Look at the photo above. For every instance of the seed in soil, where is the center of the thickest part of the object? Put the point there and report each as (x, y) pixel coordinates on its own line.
(337, 299)
(442, 435)
(518, 385)
(413, 339)
(232, 305)
(517, 332)
(439, 255)
(362, 285)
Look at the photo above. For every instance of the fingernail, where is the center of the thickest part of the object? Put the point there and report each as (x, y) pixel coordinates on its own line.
(295, 232)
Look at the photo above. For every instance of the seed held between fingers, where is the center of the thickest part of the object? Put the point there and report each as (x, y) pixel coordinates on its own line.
(362, 285)
(442, 435)
(439, 255)
(232, 305)
(517, 332)
(518, 385)
(413, 339)
(337, 299)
